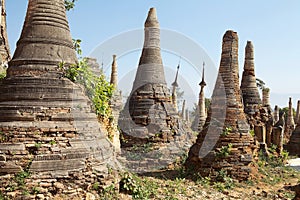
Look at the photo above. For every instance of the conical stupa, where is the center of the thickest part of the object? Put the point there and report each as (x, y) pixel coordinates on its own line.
(46, 119)
(225, 142)
(150, 102)
(293, 146)
(251, 98)
(149, 117)
(290, 122)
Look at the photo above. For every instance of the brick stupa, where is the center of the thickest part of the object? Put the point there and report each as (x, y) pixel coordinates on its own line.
(225, 142)
(46, 122)
(293, 145)
(149, 117)
(4, 46)
(249, 89)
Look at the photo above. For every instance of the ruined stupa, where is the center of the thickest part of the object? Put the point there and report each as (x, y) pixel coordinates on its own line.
(115, 103)
(297, 112)
(174, 90)
(4, 45)
(251, 98)
(225, 142)
(266, 98)
(149, 116)
(200, 116)
(276, 114)
(290, 123)
(293, 146)
(114, 72)
(46, 121)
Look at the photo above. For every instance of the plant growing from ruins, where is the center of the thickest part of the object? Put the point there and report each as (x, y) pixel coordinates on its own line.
(2, 75)
(52, 142)
(77, 46)
(3, 137)
(20, 178)
(226, 131)
(109, 192)
(97, 88)
(96, 186)
(38, 145)
(224, 151)
(69, 4)
(252, 133)
(2, 197)
(35, 190)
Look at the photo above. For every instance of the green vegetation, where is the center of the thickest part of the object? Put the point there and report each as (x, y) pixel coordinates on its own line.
(70, 4)
(2, 75)
(137, 187)
(270, 180)
(110, 192)
(226, 131)
(38, 145)
(98, 89)
(252, 133)
(52, 142)
(3, 137)
(224, 151)
(285, 110)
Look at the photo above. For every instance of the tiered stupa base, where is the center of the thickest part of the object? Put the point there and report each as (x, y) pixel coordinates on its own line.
(48, 129)
(153, 135)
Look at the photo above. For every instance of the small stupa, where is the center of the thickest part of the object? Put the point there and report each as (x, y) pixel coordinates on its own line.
(251, 98)
(201, 103)
(174, 89)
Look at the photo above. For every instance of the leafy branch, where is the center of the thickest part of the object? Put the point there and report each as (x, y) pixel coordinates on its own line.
(69, 4)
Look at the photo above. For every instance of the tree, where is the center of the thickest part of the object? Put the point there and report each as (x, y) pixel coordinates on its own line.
(70, 4)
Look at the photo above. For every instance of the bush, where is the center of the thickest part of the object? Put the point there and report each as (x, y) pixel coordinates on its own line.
(98, 89)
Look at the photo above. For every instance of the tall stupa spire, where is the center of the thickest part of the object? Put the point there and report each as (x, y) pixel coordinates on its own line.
(114, 72)
(45, 41)
(174, 87)
(290, 122)
(150, 68)
(201, 102)
(250, 93)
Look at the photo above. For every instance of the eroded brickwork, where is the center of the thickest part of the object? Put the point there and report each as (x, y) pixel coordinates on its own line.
(225, 142)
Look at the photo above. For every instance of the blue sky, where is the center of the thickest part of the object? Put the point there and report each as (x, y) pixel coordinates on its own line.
(272, 26)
